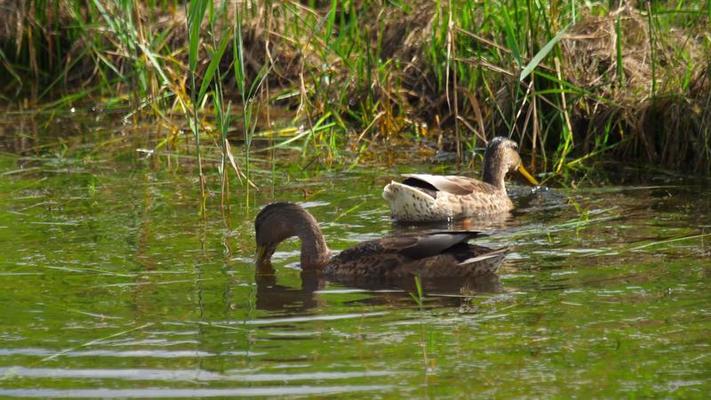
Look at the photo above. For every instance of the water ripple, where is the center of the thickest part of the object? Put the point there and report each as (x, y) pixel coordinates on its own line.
(128, 353)
(146, 374)
(154, 393)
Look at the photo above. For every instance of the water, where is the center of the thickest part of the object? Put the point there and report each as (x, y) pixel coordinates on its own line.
(112, 286)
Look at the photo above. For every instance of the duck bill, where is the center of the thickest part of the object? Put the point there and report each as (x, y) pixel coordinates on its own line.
(527, 175)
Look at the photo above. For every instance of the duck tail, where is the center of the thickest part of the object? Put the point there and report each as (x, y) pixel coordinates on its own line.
(486, 262)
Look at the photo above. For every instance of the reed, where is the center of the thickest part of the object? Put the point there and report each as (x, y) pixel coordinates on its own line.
(572, 82)
(196, 11)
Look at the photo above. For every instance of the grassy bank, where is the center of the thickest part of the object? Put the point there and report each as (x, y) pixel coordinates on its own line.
(575, 83)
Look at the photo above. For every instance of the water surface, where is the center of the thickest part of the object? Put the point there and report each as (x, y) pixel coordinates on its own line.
(113, 286)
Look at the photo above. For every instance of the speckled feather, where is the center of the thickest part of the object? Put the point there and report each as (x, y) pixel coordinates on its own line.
(413, 203)
(388, 259)
(423, 197)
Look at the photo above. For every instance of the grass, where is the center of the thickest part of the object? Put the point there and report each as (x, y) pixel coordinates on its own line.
(572, 83)
(418, 296)
(196, 12)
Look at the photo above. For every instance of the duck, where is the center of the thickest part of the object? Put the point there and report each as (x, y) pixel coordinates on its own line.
(433, 254)
(431, 198)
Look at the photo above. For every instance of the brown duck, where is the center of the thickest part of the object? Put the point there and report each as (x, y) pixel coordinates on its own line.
(422, 197)
(429, 255)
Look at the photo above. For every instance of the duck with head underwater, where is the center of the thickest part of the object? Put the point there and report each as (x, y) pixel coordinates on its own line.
(423, 197)
(427, 255)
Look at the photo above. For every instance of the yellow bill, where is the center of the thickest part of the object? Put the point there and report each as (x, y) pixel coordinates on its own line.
(528, 176)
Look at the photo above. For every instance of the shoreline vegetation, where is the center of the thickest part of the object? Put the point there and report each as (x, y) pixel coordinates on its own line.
(574, 83)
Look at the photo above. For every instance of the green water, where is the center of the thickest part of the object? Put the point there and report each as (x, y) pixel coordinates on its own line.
(112, 286)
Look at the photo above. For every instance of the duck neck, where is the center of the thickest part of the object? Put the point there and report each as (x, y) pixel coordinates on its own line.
(314, 251)
(494, 171)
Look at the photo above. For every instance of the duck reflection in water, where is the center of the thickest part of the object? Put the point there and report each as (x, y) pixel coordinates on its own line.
(272, 296)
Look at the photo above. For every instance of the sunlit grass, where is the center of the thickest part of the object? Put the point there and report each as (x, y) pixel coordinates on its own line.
(354, 78)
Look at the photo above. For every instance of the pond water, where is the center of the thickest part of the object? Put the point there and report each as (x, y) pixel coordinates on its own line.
(113, 286)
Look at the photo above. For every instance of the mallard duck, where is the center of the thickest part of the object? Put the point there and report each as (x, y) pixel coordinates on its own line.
(422, 197)
(428, 255)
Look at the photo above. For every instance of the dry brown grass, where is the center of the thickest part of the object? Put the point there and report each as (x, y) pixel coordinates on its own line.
(662, 119)
(656, 104)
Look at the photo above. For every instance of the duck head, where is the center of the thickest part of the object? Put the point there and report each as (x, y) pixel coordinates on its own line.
(280, 221)
(501, 157)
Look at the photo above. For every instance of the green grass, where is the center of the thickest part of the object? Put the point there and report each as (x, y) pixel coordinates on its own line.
(356, 77)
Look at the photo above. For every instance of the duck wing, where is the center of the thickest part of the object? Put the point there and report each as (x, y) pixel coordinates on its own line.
(395, 250)
(439, 254)
(426, 245)
(457, 185)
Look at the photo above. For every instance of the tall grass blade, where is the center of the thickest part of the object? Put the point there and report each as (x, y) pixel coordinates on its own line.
(9, 68)
(215, 58)
(196, 12)
(331, 19)
(542, 53)
(154, 61)
(652, 51)
(511, 37)
(618, 49)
